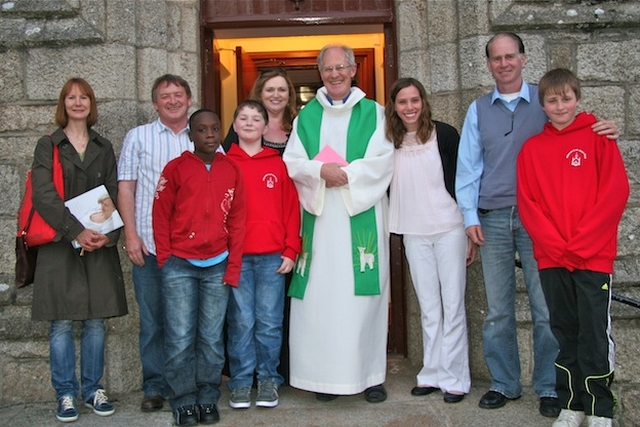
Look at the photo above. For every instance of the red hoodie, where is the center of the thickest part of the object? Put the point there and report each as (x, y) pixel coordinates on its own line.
(200, 213)
(273, 211)
(572, 191)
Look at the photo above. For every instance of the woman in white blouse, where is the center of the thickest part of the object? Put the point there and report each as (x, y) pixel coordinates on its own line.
(424, 210)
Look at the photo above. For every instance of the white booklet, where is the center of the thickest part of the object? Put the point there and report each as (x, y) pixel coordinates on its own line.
(95, 210)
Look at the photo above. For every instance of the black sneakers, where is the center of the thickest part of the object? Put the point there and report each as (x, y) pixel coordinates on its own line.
(208, 414)
(186, 415)
(189, 415)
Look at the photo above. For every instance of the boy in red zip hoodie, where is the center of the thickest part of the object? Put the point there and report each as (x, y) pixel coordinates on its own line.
(272, 241)
(572, 191)
(198, 226)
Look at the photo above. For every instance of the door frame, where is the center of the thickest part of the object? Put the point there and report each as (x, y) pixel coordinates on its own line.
(211, 98)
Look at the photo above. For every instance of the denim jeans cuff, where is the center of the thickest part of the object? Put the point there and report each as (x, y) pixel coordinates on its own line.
(155, 392)
(87, 395)
(548, 394)
(182, 401)
(507, 394)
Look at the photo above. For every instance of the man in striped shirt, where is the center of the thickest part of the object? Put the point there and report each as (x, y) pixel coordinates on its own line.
(145, 152)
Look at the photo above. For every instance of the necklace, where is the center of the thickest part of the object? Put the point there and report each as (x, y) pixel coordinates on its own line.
(79, 142)
(78, 137)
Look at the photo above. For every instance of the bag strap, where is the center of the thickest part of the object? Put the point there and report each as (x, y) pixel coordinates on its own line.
(58, 182)
(28, 223)
(58, 177)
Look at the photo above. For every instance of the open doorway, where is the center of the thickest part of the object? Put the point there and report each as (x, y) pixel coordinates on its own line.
(241, 59)
(295, 28)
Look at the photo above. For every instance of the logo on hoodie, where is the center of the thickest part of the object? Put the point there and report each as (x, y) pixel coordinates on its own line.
(576, 157)
(270, 180)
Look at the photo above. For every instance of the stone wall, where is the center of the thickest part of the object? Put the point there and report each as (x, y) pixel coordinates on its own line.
(121, 46)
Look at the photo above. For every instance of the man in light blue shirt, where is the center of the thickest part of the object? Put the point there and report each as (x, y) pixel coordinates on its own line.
(495, 128)
(145, 152)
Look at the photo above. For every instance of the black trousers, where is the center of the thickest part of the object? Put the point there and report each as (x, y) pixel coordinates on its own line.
(579, 312)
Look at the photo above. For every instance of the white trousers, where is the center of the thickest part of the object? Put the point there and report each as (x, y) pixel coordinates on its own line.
(438, 272)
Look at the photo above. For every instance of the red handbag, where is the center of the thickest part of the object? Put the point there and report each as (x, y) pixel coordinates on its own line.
(35, 230)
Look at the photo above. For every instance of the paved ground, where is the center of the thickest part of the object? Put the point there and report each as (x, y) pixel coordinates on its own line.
(301, 409)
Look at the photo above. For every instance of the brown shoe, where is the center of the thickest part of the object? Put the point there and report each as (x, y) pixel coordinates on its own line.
(151, 403)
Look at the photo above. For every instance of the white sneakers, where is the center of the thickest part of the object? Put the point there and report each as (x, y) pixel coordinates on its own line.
(599, 421)
(569, 418)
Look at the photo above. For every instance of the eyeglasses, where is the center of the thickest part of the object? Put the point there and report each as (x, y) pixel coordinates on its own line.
(339, 68)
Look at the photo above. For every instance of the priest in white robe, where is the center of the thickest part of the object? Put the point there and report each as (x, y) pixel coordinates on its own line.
(341, 163)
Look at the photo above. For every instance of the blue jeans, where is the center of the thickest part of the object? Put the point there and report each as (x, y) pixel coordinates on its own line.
(148, 286)
(504, 234)
(255, 315)
(62, 357)
(195, 303)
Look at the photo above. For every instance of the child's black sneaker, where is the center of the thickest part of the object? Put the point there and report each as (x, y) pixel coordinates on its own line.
(208, 414)
(186, 415)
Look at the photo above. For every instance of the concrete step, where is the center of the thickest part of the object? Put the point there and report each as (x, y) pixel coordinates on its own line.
(301, 409)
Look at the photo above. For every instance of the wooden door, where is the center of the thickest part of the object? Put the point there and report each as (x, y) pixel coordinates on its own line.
(247, 73)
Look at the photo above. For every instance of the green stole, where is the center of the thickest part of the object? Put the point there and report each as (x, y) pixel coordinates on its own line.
(364, 235)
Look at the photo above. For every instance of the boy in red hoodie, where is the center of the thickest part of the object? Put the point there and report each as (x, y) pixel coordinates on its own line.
(198, 226)
(256, 306)
(572, 191)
